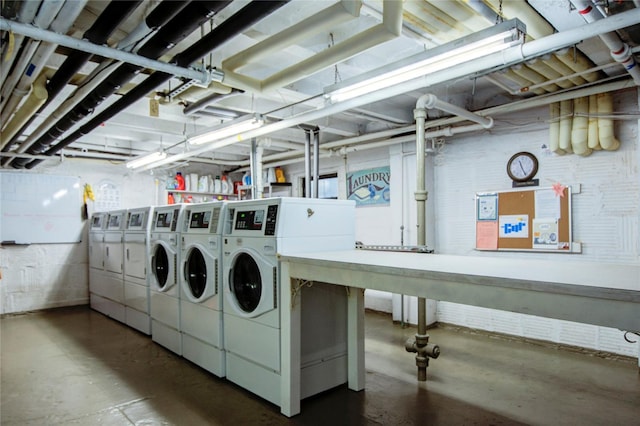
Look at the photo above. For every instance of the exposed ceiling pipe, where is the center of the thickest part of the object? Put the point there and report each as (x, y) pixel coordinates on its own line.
(36, 99)
(27, 13)
(185, 22)
(209, 99)
(47, 13)
(508, 57)
(235, 24)
(107, 52)
(358, 143)
(61, 24)
(98, 33)
(388, 29)
(158, 17)
(620, 51)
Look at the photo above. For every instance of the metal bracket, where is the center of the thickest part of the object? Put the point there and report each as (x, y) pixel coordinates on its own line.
(296, 289)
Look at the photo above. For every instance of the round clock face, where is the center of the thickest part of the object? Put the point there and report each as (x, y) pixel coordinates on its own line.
(522, 167)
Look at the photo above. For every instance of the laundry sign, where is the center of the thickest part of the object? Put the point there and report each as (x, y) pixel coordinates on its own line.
(369, 187)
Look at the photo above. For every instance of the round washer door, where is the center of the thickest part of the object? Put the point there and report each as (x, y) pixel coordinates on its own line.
(251, 284)
(200, 273)
(163, 266)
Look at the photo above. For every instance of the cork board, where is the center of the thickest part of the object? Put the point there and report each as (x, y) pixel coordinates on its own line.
(529, 219)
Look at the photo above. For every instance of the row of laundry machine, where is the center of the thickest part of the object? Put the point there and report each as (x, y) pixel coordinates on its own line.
(204, 281)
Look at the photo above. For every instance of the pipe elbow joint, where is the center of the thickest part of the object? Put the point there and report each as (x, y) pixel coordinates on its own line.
(489, 123)
(426, 101)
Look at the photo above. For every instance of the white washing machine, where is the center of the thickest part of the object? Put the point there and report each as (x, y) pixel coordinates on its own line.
(201, 286)
(259, 231)
(136, 280)
(109, 291)
(96, 261)
(164, 285)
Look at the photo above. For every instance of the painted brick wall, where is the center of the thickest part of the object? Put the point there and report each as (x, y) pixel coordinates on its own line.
(41, 276)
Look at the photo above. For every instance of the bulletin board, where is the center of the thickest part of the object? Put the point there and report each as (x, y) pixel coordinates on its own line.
(536, 219)
(39, 208)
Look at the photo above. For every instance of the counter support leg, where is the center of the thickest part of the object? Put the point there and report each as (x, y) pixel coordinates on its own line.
(290, 320)
(355, 336)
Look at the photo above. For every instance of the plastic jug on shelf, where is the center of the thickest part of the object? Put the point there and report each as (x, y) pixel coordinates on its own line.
(180, 185)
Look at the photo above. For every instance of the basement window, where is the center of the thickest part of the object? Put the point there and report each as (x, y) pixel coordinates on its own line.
(327, 186)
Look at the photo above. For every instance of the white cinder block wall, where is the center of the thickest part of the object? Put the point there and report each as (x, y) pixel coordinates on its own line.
(606, 213)
(40, 276)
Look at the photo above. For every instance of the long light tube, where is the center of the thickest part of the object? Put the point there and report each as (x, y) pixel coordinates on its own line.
(474, 46)
(146, 159)
(232, 128)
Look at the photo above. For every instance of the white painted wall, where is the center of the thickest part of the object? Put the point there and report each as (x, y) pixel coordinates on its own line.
(41, 276)
(606, 214)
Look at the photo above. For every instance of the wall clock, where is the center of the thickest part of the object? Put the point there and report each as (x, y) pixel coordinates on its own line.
(522, 167)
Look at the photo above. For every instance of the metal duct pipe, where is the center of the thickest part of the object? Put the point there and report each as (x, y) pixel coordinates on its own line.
(620, 51)
(235, 24)
(307, 164)
(208, 100)
(316, 162)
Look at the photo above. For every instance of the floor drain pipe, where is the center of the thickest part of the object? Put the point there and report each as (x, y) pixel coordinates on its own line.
(421, 338)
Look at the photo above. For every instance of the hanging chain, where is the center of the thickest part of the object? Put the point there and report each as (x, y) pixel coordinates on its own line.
(499, 17)
(336, 74)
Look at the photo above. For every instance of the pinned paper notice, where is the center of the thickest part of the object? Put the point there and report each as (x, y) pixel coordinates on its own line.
(487, 235)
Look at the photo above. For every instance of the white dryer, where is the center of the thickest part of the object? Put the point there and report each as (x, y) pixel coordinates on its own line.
(136, 260)
(164, 286)
(201, 286)
(96, 261)
(260, 230)
(110, 289)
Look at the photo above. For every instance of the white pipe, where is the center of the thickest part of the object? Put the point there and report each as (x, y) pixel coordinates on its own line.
(36, 99)
(508, 57)
(619, 51)
(580, 127)
(118, 55)
(566, 113)
(46, 14)
(430, 101)
(605, 125)
(259, 182)
(554, 129)
(26, 15)
(66, 106)
(593, 140)
(61, 24)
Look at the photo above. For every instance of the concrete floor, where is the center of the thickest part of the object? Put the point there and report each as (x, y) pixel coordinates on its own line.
(75, 366)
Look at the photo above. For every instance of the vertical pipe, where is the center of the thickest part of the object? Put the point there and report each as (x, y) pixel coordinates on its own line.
(421, 197)
(316, 162)
(252, 167)
(307, 164)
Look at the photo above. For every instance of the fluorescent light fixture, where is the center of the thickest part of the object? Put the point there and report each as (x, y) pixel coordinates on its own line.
(231, 128)
(146, 159)
(482, 43)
